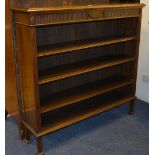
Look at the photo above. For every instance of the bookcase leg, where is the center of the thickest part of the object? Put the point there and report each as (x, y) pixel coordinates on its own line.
(132, 107)
(39, 146)
(21, 133)
(6, 114)
(27, 136)
(20, 129)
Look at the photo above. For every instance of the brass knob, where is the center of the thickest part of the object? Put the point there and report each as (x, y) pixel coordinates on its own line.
(95, 14)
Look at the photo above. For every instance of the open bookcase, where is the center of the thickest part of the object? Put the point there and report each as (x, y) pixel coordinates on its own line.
(74, 60)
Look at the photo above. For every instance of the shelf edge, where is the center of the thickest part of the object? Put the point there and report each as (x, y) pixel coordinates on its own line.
(124, 101)
(91, 45)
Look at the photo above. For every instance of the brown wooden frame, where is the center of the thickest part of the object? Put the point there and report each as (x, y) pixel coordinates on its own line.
(26, 22)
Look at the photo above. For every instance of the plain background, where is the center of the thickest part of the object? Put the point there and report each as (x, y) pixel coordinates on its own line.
(143, 66)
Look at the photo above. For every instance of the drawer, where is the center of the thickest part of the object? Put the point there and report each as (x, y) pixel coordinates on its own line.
(74, 16)
(64, 17)
(112, 13)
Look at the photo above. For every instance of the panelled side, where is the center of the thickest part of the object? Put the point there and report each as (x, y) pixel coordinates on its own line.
(26, 51)
(136, 47)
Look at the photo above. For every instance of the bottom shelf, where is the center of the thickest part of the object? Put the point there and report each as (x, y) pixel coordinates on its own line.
(58, 119)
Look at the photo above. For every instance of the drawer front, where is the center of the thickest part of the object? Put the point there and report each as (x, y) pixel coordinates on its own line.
(75, 16)
(112, 13)
(66, 17)
(53, 18)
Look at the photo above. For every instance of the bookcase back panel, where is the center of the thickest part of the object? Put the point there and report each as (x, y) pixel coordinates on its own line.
(69, 113)
(60, 86)
(119, 49)
(72, 33)
(79, 32)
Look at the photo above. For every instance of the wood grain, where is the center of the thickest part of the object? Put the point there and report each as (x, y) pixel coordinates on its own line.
(51, 75)
(74, 46)
(74, 115)
(79, 7)
(11, 100)
(76, 59)
(28, 74)
(81, 93)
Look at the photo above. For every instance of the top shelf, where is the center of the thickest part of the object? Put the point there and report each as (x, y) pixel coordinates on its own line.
(40, 16)
(72, 7)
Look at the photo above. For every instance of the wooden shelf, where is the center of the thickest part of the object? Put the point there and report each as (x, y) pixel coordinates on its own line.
(77, 6)
(60, 119)
(82, 93)
(78, 45)
(70, 70)
(75, 62)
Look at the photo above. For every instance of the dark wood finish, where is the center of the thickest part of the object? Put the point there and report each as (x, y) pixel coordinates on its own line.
(79, 117)
(27, 136)
(81, 112)
(74, 70)
(6, 114)
(82, 93)
(132, 107)
(76, 59)
(39, 146)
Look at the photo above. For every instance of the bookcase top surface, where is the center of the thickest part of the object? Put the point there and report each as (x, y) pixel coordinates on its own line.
(70, 7)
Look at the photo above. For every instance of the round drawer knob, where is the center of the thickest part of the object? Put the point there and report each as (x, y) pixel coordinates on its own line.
(95, 14)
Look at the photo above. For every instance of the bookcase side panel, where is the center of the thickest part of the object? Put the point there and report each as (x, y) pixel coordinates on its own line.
(26, 52)
(137, 44)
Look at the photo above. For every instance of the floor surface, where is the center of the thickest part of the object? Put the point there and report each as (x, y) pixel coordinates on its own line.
(111, 133)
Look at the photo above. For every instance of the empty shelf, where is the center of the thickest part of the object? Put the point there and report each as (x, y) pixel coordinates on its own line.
(60, 119)
(82, 93)
(60, 48)
(53, 74)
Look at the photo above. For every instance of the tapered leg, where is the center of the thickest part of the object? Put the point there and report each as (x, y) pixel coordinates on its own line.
(132, 107)
(39, 146)
(6, 114)
(20, 128)
(21, 133)
(27, 136)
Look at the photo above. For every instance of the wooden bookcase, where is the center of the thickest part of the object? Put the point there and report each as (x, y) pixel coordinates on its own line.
(74, 60)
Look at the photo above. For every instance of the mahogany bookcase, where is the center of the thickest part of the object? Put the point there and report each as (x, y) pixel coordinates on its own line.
(74, 60)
